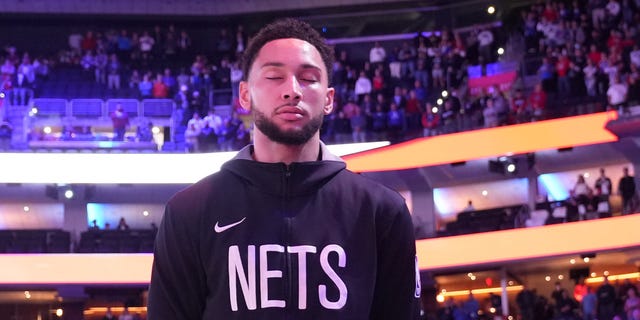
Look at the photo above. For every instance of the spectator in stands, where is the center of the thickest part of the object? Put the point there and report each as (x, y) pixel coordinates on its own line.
(526, 300)
(120, 121)
(617, 95)
(546, 74)
(89, 42)
(590, 72)
(379, 123)
(485, 44)
(184, 47)
(145, 87)
(471, 307)
(406, 56)
(124, 46)
(146, 44)
(627, 189)
(469, 207)
(94, 225)
(363, 86)
(21, 88)
(606, 294)
(159, 90)
(144, 131)
(125, 315)
(7, 71)
(378, 82)
(191, 135)
(413, 111)
(6, 131)
(240, 41)
(430, 121)
(88, 63)
(589, 305)
(235, 77)
(538, 102)
(490, 114)
(396, 122)
(500, 104)
(108, 315)
(632, 302)
(603, 186)
(566, 307)
(581, 192)
(101, 61)
(358, 126)
(633, 97)
(122, 225)
(562, 70)
(520, 111)
(197, 103)
(114, 68)
(377, 54)
(223, 75)
(342, 128)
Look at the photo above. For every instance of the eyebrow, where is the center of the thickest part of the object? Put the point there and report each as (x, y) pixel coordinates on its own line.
(280, 64)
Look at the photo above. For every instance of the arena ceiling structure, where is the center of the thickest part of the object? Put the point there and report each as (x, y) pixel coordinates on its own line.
(336, 18)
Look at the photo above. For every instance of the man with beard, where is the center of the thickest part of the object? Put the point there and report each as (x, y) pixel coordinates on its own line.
(284, 230)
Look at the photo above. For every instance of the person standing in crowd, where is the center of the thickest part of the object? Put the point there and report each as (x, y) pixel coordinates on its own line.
(606, 294)
(323, 242)
(589, 305)
(120, 120)
(627, 189)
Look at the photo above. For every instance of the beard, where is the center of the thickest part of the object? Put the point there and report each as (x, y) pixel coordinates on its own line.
(286, 137)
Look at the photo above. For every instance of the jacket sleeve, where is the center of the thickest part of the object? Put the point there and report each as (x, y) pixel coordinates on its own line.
(178, 283)
(397, 289)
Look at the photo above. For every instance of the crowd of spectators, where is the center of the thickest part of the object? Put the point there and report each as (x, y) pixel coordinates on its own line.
(588, 52)
(606, 301)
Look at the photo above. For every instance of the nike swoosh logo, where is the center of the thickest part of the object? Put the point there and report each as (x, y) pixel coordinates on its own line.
(219, 228)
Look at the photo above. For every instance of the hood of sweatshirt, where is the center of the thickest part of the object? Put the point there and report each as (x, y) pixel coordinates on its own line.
(295, 179)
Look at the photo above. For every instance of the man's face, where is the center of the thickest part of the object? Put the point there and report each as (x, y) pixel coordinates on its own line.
(287, 91)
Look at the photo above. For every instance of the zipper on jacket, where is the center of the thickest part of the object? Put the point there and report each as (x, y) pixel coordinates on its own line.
(287, 241)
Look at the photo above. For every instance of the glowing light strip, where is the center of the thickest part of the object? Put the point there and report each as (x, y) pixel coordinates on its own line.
(131, 168)
(479, 291)
(623, 276)
(433, 254)
(515, 245)
(109, 268)
(101, 310)
(477, 144)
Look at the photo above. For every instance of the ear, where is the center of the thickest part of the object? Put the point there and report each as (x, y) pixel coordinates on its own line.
(244, 96)
(328, 105)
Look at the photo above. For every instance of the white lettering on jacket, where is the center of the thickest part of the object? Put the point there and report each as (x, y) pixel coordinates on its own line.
(245, 275)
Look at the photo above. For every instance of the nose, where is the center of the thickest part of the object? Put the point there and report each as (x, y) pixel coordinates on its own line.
(292, 89)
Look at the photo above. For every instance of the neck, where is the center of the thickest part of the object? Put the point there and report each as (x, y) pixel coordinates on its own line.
(266, 150)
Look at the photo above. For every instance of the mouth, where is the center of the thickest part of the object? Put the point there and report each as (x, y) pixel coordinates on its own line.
(290, 113)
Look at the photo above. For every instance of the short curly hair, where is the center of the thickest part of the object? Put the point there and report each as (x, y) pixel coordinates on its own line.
(283, 29)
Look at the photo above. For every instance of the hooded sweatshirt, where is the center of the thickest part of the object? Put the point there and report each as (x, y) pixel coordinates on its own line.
(308, 240)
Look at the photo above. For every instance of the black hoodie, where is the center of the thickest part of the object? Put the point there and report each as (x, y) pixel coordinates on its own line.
(308, 240)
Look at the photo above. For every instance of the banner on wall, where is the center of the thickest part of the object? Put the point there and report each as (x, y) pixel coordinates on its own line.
(504, 81)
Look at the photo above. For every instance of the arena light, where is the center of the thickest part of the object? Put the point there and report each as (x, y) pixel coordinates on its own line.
(632, 275)
(470, 250)
(127, 168)
(486, 143)
(462, 293)
(433, 254)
